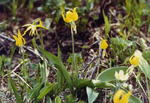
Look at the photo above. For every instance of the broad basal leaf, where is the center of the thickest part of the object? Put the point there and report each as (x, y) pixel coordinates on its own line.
(109, 74)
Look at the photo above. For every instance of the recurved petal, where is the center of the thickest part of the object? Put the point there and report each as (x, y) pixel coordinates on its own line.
(15, 37)
(26, 25)
(40, 26)
(40, 22)
(24, 41)
(75, 15)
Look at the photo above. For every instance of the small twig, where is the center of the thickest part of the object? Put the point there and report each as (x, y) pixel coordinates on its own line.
(15, 68)
(2, 35)
(94, 70)
(94, 43)
(97, 63)
(22, 79)
(87, 65)
(140, 84)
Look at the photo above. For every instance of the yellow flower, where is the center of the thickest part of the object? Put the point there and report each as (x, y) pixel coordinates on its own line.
(121, 96)
(134, 60)
(70, 16)
(33, 27)
(20, 41)
(103, 44)
(121, 76)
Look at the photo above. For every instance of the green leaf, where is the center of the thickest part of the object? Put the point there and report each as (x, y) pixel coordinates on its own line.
(81, 102)
(144, 67)
(70, 99)
(100, 84)
(35, 91)
(57, 99)
(134, 99)
(146, 54)
(107, 24)
(109, 74)
(90, 4)
(49, 100)
(78, 60)
(92, 95)
(44, 91)
(121, 43)
(59, 65)
(17, 95)
(83, 83)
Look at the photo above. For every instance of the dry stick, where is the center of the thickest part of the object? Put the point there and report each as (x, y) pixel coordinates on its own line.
(14, 69)
(94, 69)
(85, 68)
(2, 35)
(22, 79)
(88, 64)
(98, 62)
(140, 84)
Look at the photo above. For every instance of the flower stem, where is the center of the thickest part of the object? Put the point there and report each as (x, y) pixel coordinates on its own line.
(73, 51)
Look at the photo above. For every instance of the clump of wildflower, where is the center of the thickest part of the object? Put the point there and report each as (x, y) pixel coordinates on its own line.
(103, 44)
(121, 75)
(121, 96)
(20, 41)
(33, 27)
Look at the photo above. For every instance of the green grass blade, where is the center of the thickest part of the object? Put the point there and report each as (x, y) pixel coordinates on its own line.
(17, 95)
(59, 65)
(45, 91)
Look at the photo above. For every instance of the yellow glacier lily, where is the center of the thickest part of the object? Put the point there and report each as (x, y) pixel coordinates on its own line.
(33, 27)
(70, 16)
(103, 44)
(134, 60)
(121, 96)
(20, 41)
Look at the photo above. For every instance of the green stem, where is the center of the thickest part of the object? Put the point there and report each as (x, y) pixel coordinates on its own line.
(73, 51)
(40, 36)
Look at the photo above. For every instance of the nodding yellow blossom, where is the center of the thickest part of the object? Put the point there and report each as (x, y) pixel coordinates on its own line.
(20, 41)
(70, 16)
(121, 96)
(33, 27)
(103, 44)
(134, 60)
(121, 75)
